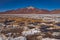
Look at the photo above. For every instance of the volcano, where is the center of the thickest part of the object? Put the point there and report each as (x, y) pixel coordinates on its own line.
(31, 10)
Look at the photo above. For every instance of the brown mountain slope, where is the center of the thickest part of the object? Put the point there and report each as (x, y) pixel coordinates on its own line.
(55, 12)
(31, 10)
(28, 10)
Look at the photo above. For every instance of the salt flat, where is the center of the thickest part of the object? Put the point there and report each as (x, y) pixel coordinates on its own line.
(31, 15)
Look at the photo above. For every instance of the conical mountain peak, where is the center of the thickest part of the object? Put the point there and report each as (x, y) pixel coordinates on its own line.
(31, 10)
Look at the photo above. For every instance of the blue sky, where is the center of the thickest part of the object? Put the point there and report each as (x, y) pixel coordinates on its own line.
(42, 4)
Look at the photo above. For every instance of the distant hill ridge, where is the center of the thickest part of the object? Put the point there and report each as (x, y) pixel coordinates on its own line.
(31, 10)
